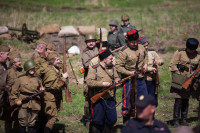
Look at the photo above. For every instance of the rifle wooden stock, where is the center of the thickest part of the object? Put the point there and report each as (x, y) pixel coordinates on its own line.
(117, 49)
(97, 96)
(189, 81)
(68, 97)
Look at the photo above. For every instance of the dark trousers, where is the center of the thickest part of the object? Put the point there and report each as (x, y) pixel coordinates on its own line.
(151, 89)
(104, 112)
(127, 86)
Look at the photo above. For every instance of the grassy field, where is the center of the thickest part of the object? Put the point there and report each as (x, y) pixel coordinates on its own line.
(167, 23)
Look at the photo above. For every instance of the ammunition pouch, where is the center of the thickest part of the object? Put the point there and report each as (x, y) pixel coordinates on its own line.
(178, 80)
(182, 68)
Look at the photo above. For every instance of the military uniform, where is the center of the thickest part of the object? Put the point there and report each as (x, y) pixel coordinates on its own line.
(52, 99)
(125, 62)
(87, 55)
(182, 65)
(137, 126)
(25, 86)
(104, 110)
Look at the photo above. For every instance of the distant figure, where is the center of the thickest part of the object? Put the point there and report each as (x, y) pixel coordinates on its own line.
(145, 121)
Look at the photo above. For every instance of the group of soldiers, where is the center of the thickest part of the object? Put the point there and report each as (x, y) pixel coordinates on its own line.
(20, 104)
(126, 54)
(125, 59)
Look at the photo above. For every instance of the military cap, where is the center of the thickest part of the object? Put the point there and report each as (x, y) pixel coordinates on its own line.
(145, 100)
(132, 35)
(52, 55)
(4, 48)
(29, 64)
(104, 44)
(143, 40)
(14, 56)
(192, 43)
(104, 54)
(113, 22)
(51, 47)
(90, 37)
(40, 41)
(125, 17)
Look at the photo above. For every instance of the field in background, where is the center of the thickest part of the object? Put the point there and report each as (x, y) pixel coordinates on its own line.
(167, 23)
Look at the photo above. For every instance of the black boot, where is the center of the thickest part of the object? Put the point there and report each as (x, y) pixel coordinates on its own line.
(94, 128)
(31, 130)
(22, 129)
(108, 128)
(176, 115)
(126, 119)
(184, 112)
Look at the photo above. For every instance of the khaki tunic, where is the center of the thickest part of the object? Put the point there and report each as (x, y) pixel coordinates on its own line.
(97, 75)
(13, 74)
(53, 98)
(127, 58)
(3, 73)
(41, 63)
(152, 56)
(191, 61)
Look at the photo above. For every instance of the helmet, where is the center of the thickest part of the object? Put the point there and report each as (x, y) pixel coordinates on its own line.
(113, 22)
(125, 17)
(90, 37)
(29, 65)
(192, 43)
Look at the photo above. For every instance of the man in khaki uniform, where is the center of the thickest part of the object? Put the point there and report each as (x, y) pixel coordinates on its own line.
(39, 57)
(23, 87)
(88, 53)
(4, 52)
(153, 62)
(100, 77)
(55, 80)
(132, 59)
(51, 48)
(14, 72)
(183, 63)
(124, 28)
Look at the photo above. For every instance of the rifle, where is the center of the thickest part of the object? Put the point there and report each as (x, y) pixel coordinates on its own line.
(27, 35)
(117, 49)
(156, 80)
(100, 48)
(189, 80)
(77, 84)
(132, 98)
(27, 99)
(68, 97)
(97, 96)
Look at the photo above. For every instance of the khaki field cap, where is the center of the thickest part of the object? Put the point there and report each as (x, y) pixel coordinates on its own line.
(113, 22)
(40, 41)
(90, 37)
(4, 48)
(14, 56)
(52, 55)
(51, 47)
(125, 17)
(29, 65)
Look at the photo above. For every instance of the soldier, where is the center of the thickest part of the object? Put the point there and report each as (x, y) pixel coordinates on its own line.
(50, 48)
(151, 74)
(113, 41)
(132, 60)
(88, 53)
(101, 76)
(145, 121)
(124, 29)
(25, 86)
(14, 72)
(4, 52)
(183, 63)
(39, 57)
(52, 99)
